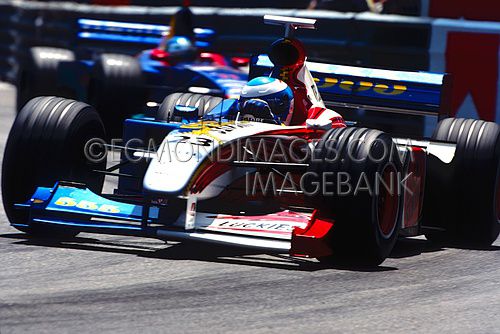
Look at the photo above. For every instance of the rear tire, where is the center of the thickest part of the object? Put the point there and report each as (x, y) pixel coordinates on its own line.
(40, 75)
(366, 222)
(46, 145)
(462, 200)
(204, 103)
(117, 90)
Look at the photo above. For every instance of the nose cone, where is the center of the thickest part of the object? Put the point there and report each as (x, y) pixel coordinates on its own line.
(177, 159)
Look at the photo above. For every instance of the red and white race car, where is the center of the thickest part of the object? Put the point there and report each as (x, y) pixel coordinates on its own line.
(313, 185)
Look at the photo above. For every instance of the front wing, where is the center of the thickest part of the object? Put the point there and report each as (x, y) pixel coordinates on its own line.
(74, 207)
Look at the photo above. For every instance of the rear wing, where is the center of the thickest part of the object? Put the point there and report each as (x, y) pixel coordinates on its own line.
(417, 93)
(90, 30)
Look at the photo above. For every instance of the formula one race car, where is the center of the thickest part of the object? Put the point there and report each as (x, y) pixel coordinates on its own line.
(119, 85)
(275, 170)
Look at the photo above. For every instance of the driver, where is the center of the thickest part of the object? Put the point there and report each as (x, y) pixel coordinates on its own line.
(265, 99)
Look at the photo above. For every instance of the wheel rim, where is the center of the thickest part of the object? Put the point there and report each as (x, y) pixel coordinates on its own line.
(388, 202)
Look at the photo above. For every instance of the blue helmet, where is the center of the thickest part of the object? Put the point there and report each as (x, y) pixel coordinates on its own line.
(179, 49)
(178, 44)
(273, 92)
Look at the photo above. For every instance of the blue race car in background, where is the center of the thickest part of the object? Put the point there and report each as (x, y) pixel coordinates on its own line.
(120, 85)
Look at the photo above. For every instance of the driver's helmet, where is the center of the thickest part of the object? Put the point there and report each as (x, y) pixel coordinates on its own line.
(180, 48)
(273, 92)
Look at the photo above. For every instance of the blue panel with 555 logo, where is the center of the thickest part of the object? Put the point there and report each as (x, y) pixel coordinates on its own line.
(72, 200)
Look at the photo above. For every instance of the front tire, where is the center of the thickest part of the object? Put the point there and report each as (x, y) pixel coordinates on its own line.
(46, 145)
(117, 90)
(367, 221)
(40, 75)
